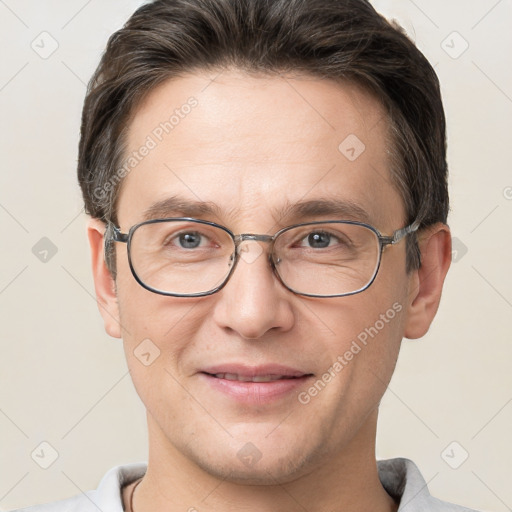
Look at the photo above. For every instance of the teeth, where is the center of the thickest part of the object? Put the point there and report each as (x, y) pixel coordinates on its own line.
(242, 378)
(266, 378)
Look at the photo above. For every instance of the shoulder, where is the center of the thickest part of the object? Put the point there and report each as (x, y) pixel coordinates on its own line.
(107, 497)
(403, 481)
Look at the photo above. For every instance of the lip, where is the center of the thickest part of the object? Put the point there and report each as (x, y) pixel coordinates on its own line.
(255, 392)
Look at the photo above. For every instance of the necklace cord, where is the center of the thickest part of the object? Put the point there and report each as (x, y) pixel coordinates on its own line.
(131, 495)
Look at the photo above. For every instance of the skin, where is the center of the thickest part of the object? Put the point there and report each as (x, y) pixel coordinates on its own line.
(253, 145)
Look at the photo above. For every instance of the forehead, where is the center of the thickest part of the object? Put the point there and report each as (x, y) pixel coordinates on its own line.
(252, 146)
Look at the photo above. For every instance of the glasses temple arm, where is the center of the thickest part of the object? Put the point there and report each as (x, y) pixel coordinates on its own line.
(401, 233)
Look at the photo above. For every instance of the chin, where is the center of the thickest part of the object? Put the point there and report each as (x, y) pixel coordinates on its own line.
(276, 472)
(258, 463)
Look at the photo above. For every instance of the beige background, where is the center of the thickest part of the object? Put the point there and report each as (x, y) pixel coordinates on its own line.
(65, 382)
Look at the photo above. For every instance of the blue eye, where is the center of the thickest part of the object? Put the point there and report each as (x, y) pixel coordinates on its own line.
(189, 240)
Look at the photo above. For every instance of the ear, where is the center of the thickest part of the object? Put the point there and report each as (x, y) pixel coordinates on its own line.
(426, 283)
(104, 284)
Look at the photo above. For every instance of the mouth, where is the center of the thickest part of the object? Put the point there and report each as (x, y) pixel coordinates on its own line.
(255, 385)
(247, 378)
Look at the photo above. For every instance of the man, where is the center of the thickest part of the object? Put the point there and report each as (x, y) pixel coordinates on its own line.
(267, 190)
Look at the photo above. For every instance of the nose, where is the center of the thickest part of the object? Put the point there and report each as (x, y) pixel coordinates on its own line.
(253, 302)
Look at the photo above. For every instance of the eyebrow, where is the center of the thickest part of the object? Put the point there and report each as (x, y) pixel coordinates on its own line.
(336, 209)
(182, 207)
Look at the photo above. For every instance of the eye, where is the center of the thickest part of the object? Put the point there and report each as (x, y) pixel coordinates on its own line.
(322, 240)
(187, 240)
(319, 239)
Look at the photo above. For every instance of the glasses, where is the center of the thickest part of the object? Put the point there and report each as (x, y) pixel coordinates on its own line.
(187, 257)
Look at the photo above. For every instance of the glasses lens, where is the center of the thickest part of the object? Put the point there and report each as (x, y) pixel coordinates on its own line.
(181, 257)
(327, 259)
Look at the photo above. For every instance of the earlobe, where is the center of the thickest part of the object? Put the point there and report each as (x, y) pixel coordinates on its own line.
(426, 283)
(104, 284)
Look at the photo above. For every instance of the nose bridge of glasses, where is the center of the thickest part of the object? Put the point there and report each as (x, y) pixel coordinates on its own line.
(254, 237)
(251, 252)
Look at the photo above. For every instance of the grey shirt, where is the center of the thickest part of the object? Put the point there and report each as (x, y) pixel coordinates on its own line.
(400, 477)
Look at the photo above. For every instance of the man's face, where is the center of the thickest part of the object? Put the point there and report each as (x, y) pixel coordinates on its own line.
(253, 147)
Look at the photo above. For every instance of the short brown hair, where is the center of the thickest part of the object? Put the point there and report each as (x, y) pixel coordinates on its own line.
(336, 39)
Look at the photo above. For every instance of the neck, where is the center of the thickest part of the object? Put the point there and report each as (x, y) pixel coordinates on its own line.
(346, 481)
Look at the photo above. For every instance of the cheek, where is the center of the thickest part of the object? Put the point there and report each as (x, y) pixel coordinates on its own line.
(157, 333)
(157, 341)
(358, 361)
(368, 330)
(145, 314)
(379, 336)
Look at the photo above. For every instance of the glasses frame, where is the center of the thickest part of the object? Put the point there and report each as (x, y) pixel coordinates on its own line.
(113, 234)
